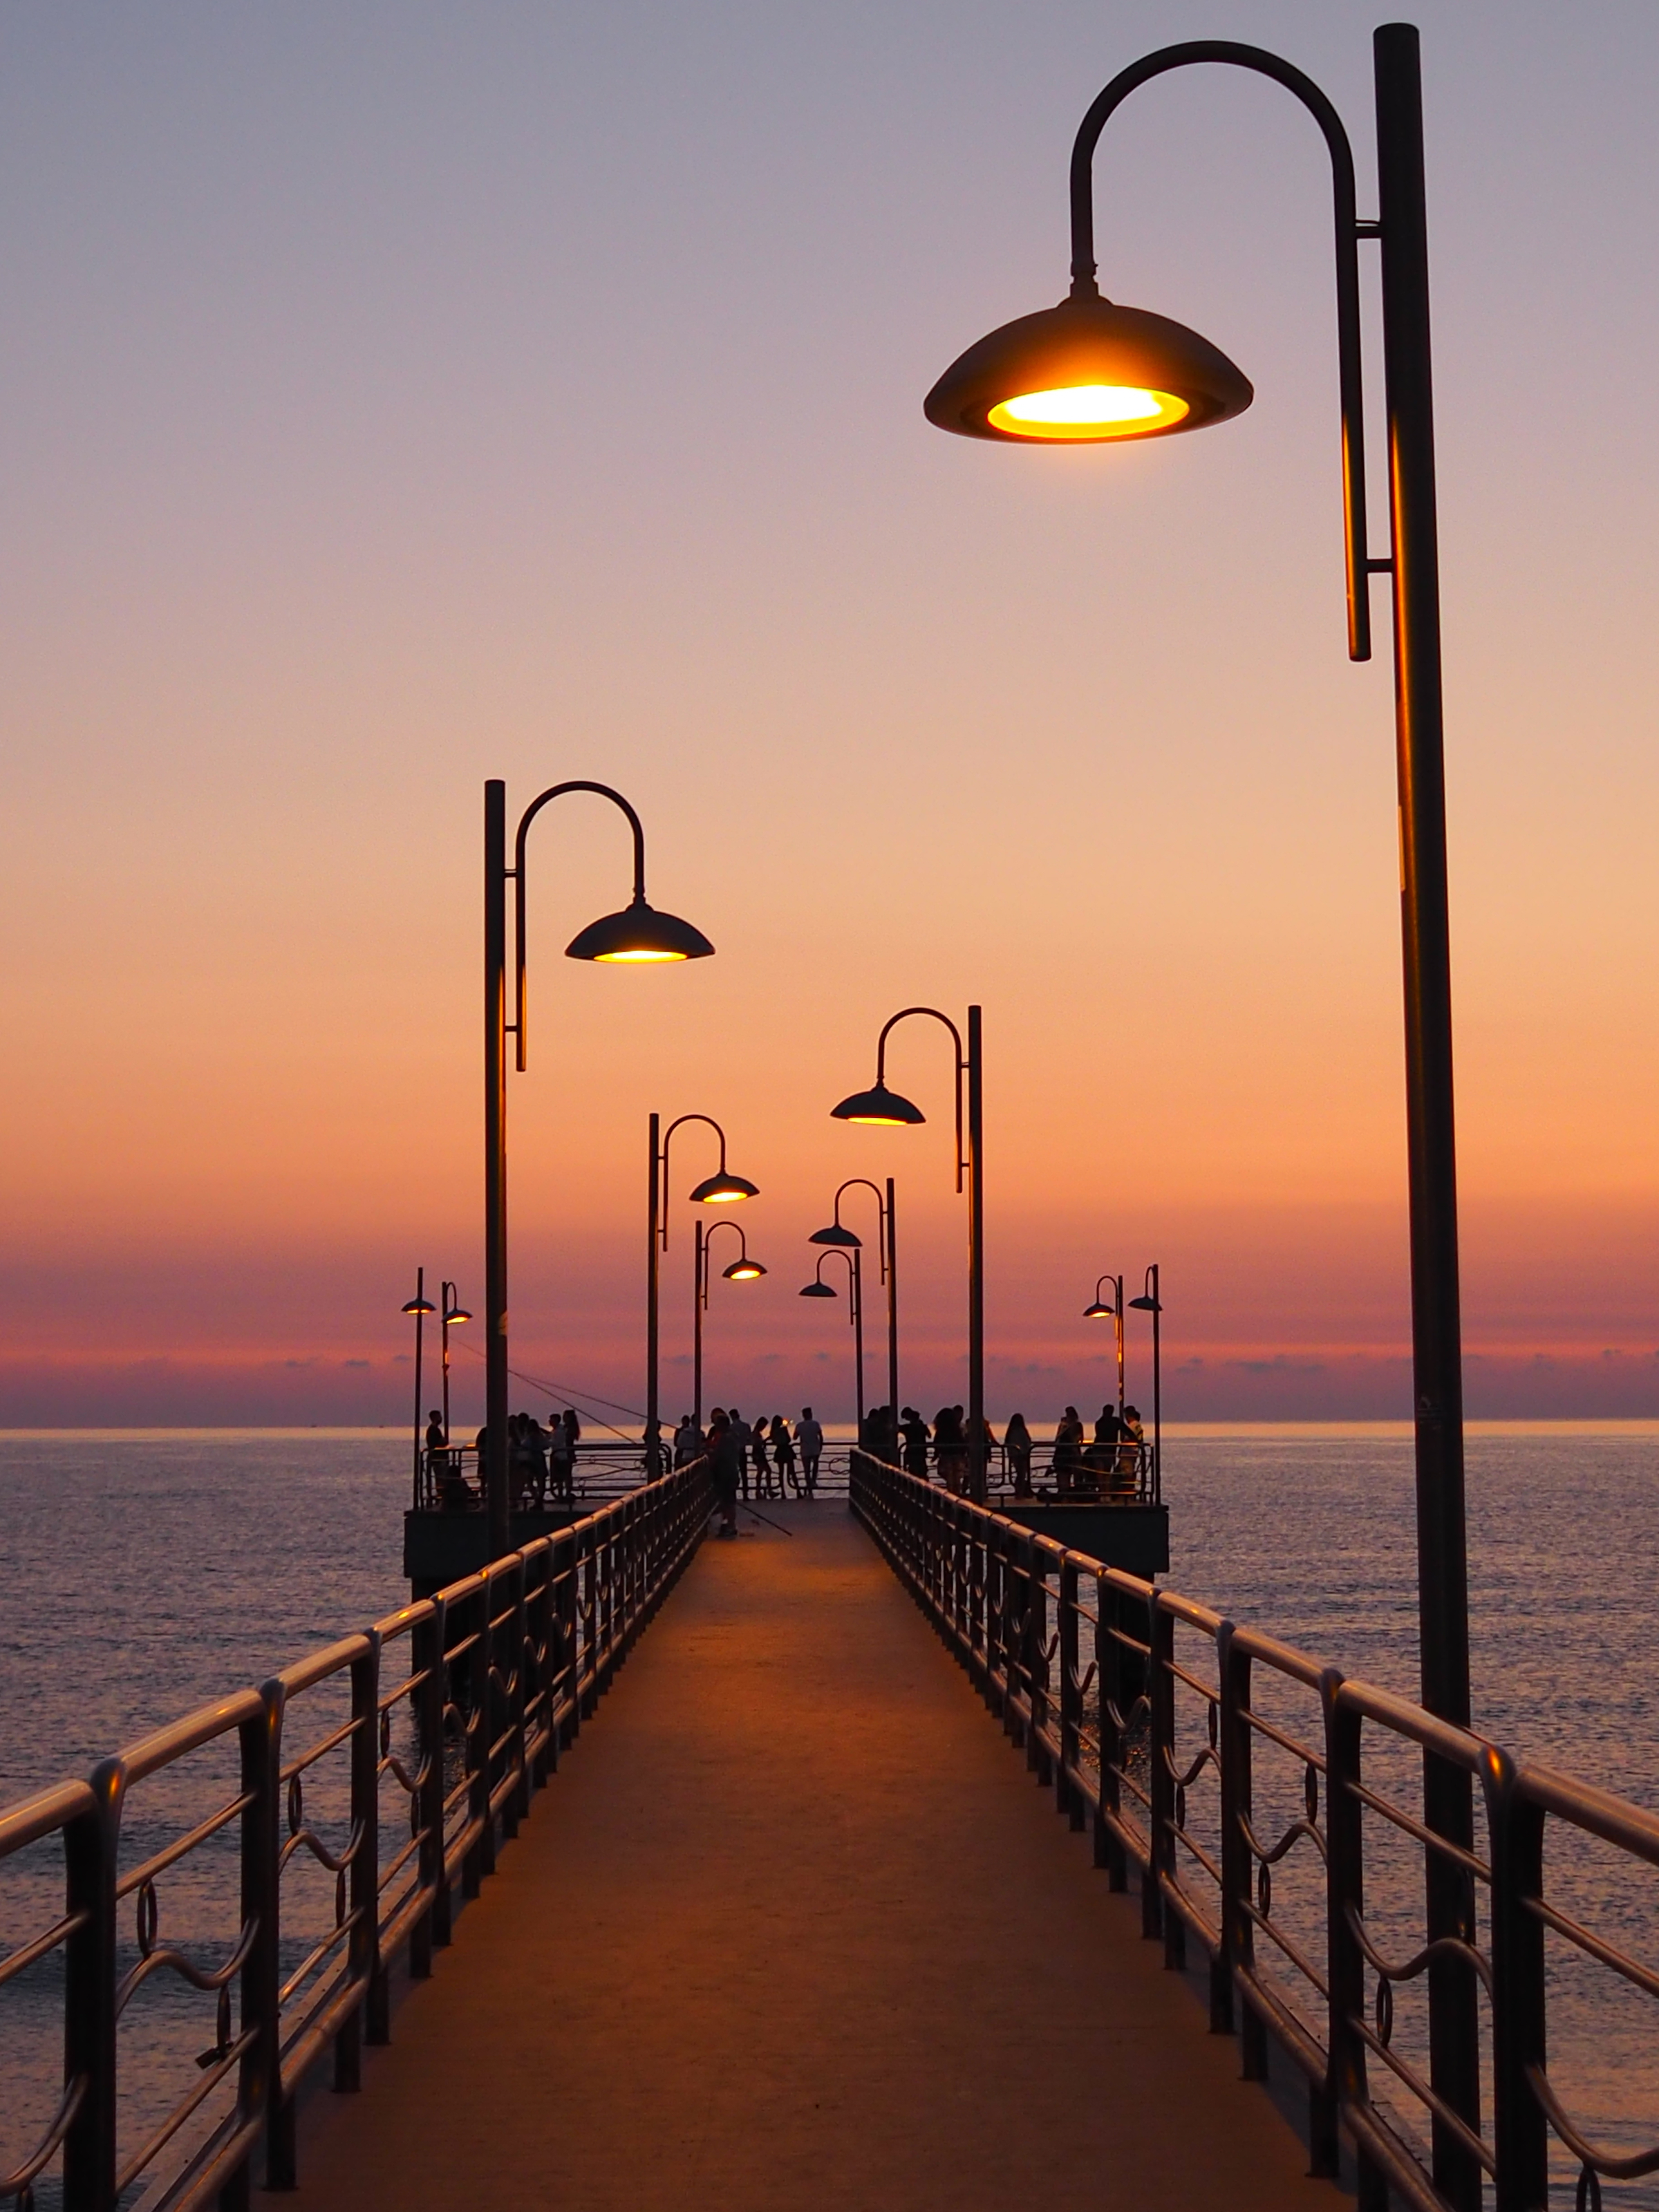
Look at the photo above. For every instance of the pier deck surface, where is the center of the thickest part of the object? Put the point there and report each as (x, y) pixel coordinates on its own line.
(793, 1926)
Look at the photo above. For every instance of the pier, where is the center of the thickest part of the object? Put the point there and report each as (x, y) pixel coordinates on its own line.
(791, 1927)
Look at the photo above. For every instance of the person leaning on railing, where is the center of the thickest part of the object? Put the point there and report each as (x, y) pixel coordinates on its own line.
(1131, 1451)
(1068, 1448)
(913, 1430)
(1017, 1448)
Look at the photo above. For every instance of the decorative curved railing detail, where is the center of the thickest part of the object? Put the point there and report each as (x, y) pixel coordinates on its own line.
(206, 1979)
(1444, 1947)
(19, 2182)
(1270, 1855)
(1631, 2167)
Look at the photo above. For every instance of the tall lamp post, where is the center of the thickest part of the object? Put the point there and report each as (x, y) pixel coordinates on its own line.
(834, 1234)
(742, 1269)
(1112, 1310)
(1089, 371)
(817, 1288)
(639, 935)
(721, 1189)
(880, 1108)
(451, 1312)
(1149, 1302)
(418, 1308)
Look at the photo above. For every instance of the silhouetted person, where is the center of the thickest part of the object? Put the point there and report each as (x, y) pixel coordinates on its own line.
(1017, 1446)
(1132, 1446)
(688, 1442)
(1068, 1448)
(809, 1436)
(726, 1462)
(783, 1453)
(913, 1430)
(762, 1465)
(744, 1437)
(534, 1440)
(951, 1448)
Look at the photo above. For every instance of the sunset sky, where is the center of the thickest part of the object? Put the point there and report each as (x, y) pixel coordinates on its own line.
(396, 395)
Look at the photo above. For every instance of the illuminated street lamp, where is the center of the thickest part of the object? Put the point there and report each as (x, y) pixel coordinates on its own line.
(418, 1306)
(880, 1108)
(817, 1288)
(721, 1189)
(637, 936)
(450, 1313)
(1149, 1302)
(742, 1269)
(888, 1233)
(1090, 371)
(1111, 1309)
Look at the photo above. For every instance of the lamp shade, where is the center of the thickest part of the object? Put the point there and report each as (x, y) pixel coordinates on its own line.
(1098, 1312)
(723, 1189)
(457, 1313)
(1086, 372)
(743, 1270)
(834, 1234)
(420, 1306)
(878, 1105)
(1145, 1305)
(640, 935)
(819, 1291)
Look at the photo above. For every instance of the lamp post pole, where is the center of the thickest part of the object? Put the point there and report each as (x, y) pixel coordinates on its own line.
(880, 1108)
(1150, 1302)
(420, 1307)
(450, 1310)
(721, 1188)
(638, 935)
(857, 1257)
(892, 1309)
(697, 1328)
(1091, 369)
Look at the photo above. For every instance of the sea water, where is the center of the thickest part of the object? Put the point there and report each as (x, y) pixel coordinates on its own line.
(144, 1573)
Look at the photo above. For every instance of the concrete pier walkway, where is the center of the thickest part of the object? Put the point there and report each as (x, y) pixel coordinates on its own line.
(793, 1926)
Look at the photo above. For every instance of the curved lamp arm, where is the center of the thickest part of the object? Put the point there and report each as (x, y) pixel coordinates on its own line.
(663, 1159)
(856, 1182)
(1112, 1280)
(837, 1253)
(708, 1235)
(1349, 231)
(904, 1014)
(558, 791)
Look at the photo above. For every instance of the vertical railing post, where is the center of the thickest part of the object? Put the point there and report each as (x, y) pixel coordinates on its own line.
(1237, 1810)
(1067, 1798)
(1034, 1655)
(568, 1554)
(1345, 1909)
(1109, 1703)
(1157, 1919)
(426, 1653)
(480, 1859)
(1519, 2131)
(91, 1844)
(515, 1684)
(262, 1877)
(372, 2017)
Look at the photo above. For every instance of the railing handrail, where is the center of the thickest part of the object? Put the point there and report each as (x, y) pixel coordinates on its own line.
(985, 1580)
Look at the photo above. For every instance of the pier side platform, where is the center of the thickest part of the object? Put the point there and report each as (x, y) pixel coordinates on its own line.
(792, 1926)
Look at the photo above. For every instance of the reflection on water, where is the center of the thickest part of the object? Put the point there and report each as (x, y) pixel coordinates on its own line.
(144, 1575)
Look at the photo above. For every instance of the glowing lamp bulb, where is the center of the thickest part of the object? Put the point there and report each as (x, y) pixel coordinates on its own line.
(1079, 412)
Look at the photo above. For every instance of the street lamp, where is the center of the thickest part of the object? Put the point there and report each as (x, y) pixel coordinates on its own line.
(1112, 1310)
(639, 935)
(887, 1231)
(1149, 1302)
(721, 1189)
(742, 1269)
(817, 1288)
(1088, 371)
(450, 1312)
(419, 1307)
(880, 1108)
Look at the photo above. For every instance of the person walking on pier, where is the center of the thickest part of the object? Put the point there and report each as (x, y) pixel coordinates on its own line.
(951, 1448)
(726, 1462)
(743, 1437)
(809, 1435)
(913, 1430)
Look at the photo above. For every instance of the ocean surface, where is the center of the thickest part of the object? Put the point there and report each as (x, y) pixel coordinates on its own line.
(142, 1574)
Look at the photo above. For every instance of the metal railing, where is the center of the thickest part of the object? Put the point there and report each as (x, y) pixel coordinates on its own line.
(604, 1469)
(419, 1743)
(1264, 1801)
